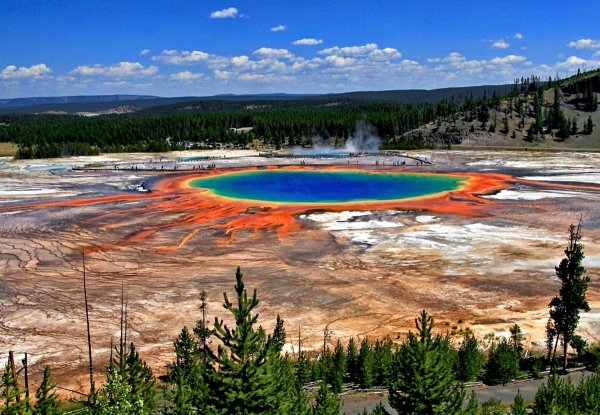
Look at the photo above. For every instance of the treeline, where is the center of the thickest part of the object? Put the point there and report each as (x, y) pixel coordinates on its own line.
(59, 135)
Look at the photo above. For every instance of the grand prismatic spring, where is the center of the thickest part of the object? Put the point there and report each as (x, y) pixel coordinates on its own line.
(361, 244)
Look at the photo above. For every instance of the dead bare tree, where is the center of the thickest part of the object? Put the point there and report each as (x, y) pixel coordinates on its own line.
(89, 337)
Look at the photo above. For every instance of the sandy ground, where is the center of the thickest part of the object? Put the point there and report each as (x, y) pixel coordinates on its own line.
(363, 272)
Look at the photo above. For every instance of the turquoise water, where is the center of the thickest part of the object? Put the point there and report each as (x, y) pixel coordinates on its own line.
(326, 186)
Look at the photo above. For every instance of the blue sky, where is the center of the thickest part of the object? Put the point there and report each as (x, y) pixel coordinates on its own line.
(182, 47)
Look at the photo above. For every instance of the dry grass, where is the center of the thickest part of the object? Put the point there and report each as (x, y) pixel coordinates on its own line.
(7, 149)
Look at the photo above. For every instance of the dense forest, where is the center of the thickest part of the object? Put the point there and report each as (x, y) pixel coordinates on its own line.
(276, 124)
(241, 369)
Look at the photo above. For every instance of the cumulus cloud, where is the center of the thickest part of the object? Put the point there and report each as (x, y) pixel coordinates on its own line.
(278, 28)
(572, 63)
(118, 70)
(186, 76)
(25, 72)
(273, 53)
(500, 44)
(508, 59)
(144, 52)
(307, 41)
(340, 60)
(518, 36)
(585, 44)
(229, 12)
(350, 50)
(370, 51)
(185, 57)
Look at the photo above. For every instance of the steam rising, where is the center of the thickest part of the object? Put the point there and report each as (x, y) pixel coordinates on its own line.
(364, 140)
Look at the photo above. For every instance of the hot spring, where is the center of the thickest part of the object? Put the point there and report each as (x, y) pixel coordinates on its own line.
(326, 186)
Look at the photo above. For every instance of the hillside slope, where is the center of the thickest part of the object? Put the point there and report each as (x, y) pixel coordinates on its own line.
(554, 114)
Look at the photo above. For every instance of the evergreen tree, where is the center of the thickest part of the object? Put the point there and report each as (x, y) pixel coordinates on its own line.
(45, 397)
(251, 378)
(141, 380)
(516, 339)
(179, 397)
(472, 407)
(352, 360)
(339, 368)
(382, 361)
(555, 397)
(589, 126)
(116, 397)
(326, 403)
(492, 407)
(279, 334)
(518, 405)
(588, 395)
(365, 364)
(423, 379)
(502, 365)
(303, 369)
(203, 333)
(470, 359)
(11, 398)
(565, 308)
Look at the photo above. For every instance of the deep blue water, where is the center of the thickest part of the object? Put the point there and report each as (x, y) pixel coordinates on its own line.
(326, 186)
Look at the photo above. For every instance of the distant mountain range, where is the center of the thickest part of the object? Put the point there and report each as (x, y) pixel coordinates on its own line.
(134, 103)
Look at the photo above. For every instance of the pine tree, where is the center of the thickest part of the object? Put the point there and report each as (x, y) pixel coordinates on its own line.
(382, 361)
(141, 380)
(518, 406)
(423, 379)
(365, 364)
(470, 359)
(326, 403)
(588, 395)
(555, 397)
(565, 308)
(279, 334)
(339, 368)
(516, 339)
(203, 333)
(352, 360)
(11, 398)
(251, 377)
(502, 365)
(472, 407)
(589, 126)
(45, 397)
(116, 397)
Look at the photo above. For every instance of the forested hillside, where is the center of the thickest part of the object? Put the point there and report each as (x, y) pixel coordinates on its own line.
(551, 114)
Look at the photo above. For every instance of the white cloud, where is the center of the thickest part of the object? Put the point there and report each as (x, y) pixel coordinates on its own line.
(340, 60)
(307, 41)
(278, 28)
(273, 53)
(229, 12)
(518, 36)
(223, 74)
(144, 52)
(508, 59)
(350, 50)
(186, 76)
(118, 70)
(500, 44)
(572, 63)
(185, 57)
(585, 44)
(23, 72)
